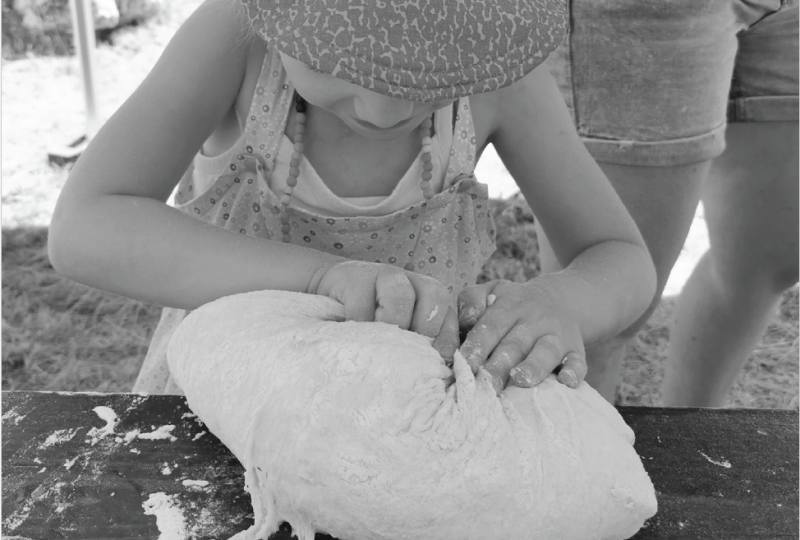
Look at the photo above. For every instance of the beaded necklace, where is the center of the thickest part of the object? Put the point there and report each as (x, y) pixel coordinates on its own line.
(294, 169)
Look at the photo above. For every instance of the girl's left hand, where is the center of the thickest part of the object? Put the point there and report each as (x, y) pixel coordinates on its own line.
(519, 333)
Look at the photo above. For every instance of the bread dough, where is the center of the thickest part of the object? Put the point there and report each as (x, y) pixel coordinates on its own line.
(358, 430)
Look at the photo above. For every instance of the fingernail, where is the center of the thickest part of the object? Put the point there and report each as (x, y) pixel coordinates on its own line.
(498, 385)
(569, 378)
(521, 377)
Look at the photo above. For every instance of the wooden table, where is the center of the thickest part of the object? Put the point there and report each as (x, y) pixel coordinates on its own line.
(113, 466)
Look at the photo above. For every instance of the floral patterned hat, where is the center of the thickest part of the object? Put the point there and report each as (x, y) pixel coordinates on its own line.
(418, 50)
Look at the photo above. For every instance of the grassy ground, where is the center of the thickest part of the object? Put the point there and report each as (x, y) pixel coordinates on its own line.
(58, 335)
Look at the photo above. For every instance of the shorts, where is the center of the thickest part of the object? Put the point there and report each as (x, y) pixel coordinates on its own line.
(654, 82)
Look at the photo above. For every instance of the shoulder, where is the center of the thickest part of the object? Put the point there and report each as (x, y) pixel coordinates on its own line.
(215, 37)
(493, 110)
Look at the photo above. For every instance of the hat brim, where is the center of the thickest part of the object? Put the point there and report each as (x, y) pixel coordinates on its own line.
(445, 50)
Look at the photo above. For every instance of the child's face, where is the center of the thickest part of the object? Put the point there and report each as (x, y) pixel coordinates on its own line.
(371, 115)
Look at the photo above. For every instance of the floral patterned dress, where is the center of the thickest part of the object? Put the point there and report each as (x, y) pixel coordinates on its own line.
(448, 237)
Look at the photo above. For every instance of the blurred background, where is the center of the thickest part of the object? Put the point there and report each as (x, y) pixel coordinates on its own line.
(58, 335)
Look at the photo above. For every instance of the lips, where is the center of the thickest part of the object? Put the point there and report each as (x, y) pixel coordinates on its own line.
(372, 127)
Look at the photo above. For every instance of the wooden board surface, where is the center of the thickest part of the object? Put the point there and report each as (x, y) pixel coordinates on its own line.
(72, 470)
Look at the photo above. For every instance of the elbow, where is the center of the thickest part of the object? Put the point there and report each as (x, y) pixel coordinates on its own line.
(64, 242)
(57, 244)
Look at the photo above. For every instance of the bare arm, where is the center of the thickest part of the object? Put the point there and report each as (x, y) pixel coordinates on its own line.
(111, 228)
(608, 278)
(607, 268)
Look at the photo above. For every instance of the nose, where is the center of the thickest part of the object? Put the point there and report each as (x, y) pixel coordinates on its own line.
(382, 111)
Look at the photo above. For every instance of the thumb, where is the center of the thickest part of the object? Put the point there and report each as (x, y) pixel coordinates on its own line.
(446, 342)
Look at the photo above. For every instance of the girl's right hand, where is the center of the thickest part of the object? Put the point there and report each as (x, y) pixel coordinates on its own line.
(385, 293)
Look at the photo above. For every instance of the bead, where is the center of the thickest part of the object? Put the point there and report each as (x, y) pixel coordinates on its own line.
(286, 228)
(426, 175)
(285, 200)
(424, 184)
(426, 149)
(299, 147)
(296, 155)
(427, 166)
(427, 123)
(409, 267)
(291, 181)
(426, 157)
(287, 238)
(289, 190)
(299, 129)
(300, 118)
(284, 218)
(298, 138)
(427, 193)
(294, 171)
(295, 162)
(426, 140)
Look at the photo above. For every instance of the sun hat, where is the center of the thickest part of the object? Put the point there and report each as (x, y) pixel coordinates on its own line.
(423, 50)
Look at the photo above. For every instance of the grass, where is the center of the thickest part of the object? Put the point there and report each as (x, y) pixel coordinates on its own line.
(58, 335)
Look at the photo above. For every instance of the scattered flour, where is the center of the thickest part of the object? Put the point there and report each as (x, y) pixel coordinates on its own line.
(195, 483)
(724, 463)
(57, 437)
(198, 435)
(164, 432)
(170, 520)
(14, 416)
(107, 414)
(70, 462)
(166, 470)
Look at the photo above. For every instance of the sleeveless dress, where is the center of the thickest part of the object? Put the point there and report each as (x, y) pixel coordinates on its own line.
(448, 237)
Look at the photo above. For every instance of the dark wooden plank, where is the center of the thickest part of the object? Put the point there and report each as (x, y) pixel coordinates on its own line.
(718, 473)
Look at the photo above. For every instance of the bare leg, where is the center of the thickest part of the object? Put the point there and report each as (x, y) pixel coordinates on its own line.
(662, 201)
(751, 208)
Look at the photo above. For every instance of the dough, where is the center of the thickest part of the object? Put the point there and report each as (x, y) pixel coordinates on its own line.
(358, 430)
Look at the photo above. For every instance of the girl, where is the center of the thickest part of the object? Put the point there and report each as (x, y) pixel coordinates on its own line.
(327, 147)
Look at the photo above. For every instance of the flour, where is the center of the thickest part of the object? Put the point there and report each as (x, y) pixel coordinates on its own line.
(163, 432)
(170, 520)
(14, 416)
(107, 414)
(58, 437)
(195, 483)
(724, 463)
(357, 430)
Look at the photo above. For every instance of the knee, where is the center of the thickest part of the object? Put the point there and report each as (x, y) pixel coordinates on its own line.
(756, 277)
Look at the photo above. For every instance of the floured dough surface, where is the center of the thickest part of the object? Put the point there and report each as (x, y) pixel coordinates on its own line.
(357, 430)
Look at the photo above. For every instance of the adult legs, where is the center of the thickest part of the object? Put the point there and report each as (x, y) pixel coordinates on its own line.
(662, 201)
(751, 208)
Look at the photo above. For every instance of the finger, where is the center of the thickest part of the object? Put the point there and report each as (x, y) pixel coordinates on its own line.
(574, 370)
(431, 306)
(484, 337)
(546, 355)
(511, 351)
(358, 301)
(394, 296)
(472, 303)
(446, 343)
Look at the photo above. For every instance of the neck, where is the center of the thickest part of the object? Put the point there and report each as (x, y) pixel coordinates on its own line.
(325, 127)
